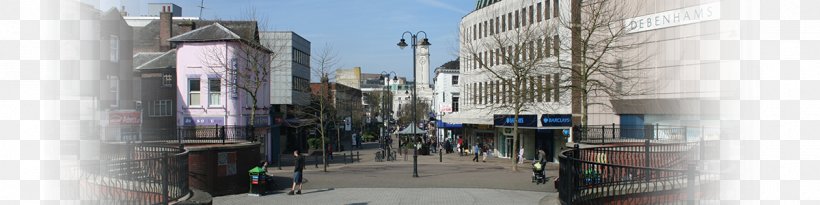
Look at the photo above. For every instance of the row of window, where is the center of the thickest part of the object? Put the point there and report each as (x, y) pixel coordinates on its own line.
(301, 57)
(160, 108)
(533, 50)
(301, 84)
(536, 89)
(515, 19)
(213, 94)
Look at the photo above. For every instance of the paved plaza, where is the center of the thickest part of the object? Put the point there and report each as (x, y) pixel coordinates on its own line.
(455, 180)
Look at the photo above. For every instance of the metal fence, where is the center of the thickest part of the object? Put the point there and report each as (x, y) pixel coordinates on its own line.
(634, 174)
(608, 134)
(206, 134)
(136, 174)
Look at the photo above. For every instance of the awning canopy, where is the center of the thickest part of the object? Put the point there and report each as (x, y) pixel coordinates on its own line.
(441, 124)
(468, 117)
(409, 131)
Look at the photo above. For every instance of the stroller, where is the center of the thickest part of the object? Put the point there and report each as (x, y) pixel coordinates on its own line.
(538, 176)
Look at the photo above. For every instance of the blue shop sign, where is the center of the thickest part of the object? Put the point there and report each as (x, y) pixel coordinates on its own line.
(556, 120)
(509, 120)
(201, 121)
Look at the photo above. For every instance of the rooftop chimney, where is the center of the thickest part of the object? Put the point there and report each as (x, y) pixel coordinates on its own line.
(123, 12)
(165, 28)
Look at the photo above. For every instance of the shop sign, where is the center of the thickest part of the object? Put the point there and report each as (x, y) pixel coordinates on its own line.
(124, 118)
(202, 121)
(509, 120)
(556, 120)
(671, 18)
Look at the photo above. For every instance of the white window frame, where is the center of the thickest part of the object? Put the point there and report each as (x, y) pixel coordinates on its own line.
(167, 80)
(191, 92)
(114, 89)
(211, 93)
(114, 51)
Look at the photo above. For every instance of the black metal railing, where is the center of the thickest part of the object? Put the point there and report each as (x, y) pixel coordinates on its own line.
(206, 134)
(613, 133)
(136, 174)
(634, 174)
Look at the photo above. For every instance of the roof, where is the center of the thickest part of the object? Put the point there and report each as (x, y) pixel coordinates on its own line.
(165, 60)
(213, 32)
(148, 35)
(144, 57)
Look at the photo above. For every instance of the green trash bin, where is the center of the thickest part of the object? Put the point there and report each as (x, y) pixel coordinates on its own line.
(258, 181)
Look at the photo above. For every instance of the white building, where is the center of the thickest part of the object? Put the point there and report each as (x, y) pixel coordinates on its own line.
(446, 97)
(490, 36)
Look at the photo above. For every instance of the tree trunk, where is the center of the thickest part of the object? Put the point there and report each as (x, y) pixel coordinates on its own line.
(515, 139)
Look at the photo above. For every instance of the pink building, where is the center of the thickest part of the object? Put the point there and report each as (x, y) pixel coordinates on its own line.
(216, 74)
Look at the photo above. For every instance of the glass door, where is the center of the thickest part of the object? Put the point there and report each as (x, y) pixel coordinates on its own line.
(508, 141)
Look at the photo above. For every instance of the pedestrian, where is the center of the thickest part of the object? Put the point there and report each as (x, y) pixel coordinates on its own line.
(297, 173)
(521, 155)
(484, 152)
(330, 151)
(476, 150)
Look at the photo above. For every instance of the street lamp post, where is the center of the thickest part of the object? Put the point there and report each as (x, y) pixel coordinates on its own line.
(402, 44)
(386, 135)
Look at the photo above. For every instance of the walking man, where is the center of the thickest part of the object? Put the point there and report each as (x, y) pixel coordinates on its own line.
(476, 150)
(297, 173)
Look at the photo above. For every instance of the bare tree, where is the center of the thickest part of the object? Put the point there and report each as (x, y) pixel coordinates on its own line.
(250, 68)
(604, 59)
(523, 65)
(321, 114)
(422, 109)
(507, 70)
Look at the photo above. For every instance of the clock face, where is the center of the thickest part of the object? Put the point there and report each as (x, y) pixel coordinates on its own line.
(422, 60)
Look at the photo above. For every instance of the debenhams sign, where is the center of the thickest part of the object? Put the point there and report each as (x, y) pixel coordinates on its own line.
(672, 18)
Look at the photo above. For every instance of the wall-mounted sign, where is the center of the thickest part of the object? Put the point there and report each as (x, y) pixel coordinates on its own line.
(556, 120)
(226, 164)
(446, 109)
(677, 17)
(509, 120)
(202, 121)
(124, 118)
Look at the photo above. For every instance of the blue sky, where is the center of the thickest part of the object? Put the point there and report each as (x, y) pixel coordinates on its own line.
(362, 32)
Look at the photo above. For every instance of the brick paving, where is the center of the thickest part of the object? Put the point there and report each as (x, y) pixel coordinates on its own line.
(455, 180)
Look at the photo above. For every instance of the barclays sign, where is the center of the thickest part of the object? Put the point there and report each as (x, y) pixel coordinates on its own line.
(556, 120)
(509, 120)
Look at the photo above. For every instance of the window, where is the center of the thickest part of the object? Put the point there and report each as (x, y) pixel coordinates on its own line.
(214, 89)
(455, 104)
(193, 92)
(523, 16)
(485, 29)
(547, 88)
(160, 108)
(492, 27)
(503, 23)
(167, 80)
(114, 89)
(509, 21)
(540, 91)
(455, 80)
(547, 10)
(538, 11)
(474, 32)
(547, 43)
(497, 25)
(529, 15)
(115, 48)
(540, 48)
(555, 8)
(517, 22)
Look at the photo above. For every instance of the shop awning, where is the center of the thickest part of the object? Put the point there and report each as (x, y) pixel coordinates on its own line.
(468, 117)
(441, 124)
(409, 131)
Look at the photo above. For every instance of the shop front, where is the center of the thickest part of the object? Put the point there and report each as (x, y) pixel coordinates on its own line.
(549, 136)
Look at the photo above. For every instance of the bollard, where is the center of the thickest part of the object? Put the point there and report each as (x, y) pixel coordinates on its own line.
(315, 162)
(344, 158)
(357, 157)
(439, 155)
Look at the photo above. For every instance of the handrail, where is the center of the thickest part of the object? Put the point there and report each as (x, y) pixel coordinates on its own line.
(587, 176)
